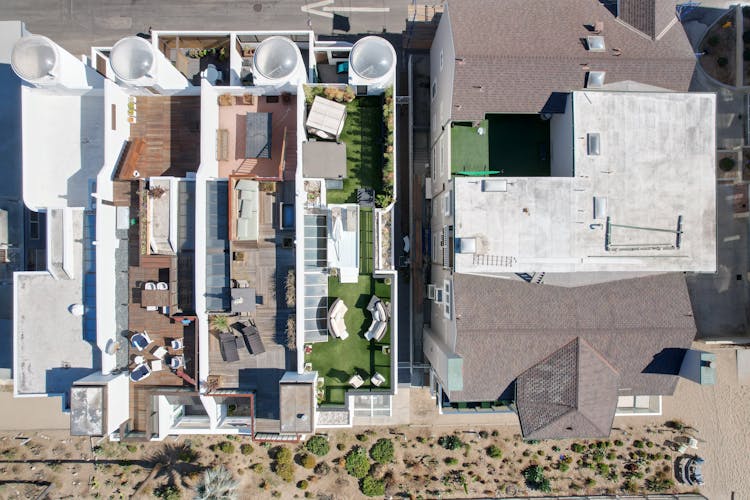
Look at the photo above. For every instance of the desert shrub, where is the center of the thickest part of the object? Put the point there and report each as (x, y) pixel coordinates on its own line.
(495, 433)
(659, 484)
(630, 486)
(602, 469)
(484, 434)
(372, 487)
(611, 455)
(322, 469)
(451, 460)
(590, 482)
(638, 443)
(526, 453)
(302, 485)
(285, 470)
(618, 442)
(563, 466)
(667, 457)
(357, 463)
(714, 40)
(649, 444)
(131, 448)
(168, 492)
(283, 454)
(382, 451)
(187, 454)
(450, 442)
(246, 449)
(577, 448)
(723, 61)
(291, 332)
(225, 447)
(362, 437)
(216, 483)
(555, 448)
(317, 445)
(258, 468)
(677, 425)
(307, 461)
(494, 451)
(290, 288)
(534, 476)
(341, 446)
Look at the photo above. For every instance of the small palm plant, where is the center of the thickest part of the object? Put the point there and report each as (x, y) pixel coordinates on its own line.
(219, 322)
(216, 484)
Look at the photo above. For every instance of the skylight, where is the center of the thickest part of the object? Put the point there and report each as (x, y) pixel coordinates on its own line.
(592, 144)
(595, 79)
(595, 43)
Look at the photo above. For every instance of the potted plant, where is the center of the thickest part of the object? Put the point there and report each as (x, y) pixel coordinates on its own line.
(156, 192)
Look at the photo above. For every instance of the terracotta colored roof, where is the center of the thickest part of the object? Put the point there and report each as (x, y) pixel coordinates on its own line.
(504, 327)
(572, 393)
(511, 55)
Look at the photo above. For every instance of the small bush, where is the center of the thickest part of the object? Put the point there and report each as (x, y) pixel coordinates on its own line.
(659, 484)
(187, 455)
(283, 455)
(638, 443)
(307, 461)
(484, 434)
(372, 487)
(246, 449)
(555, 448)
(526, 453)
(494, 452)
(577, 448)
(495, 433)
(611, 455)
(168, 492)
(285, 470)
(534, 476)
(618, 442)
(451, 460)
(302, 485)
(450, 442)
(131, 448)
(563, 467)
(362, 437)
(322, 469)
(357, 463)
(726, 164)
(225, 447)
(649, 444)
(590, 482)
(341, 446)
(258, 468)
(723, 61)
(382, 451)
(677, 425)
(318, 445)
(602, 469)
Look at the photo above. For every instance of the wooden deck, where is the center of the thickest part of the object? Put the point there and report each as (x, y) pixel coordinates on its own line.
(171, 128)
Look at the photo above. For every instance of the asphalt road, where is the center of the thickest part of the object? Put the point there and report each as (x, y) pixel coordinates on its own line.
(79, 24)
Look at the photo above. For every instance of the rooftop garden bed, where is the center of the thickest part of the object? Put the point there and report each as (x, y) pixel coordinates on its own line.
(338, 360)
(368, 135)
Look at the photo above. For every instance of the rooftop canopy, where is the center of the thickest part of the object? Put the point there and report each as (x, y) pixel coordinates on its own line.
(326, 118)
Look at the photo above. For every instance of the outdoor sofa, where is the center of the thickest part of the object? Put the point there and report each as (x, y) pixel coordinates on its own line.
(336, 324)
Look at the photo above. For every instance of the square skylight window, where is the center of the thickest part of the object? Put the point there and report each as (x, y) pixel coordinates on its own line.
(595, 79)
(595, 43)
(593, 146)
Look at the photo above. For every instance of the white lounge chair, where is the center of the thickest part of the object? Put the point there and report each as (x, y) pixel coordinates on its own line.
(149, 285)
(141, 340)
(377, 379)
(162, 286)
(140, 372)
(177, 344)
(176, 362)
(356, 381)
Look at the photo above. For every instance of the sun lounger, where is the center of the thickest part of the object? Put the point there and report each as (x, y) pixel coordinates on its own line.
(140, 372)
(228, 345)
(252, 339)
(140, 340)
(356, 381)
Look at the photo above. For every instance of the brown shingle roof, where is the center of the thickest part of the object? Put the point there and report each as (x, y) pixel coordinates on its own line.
(572, 393)
(504, 327)
(650, 17)
(511, 55)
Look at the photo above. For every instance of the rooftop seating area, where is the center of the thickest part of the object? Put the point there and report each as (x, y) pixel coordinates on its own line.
(257, 136)
(352, 361)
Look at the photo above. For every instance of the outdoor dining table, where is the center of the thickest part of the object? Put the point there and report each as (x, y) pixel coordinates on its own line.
(151, 298)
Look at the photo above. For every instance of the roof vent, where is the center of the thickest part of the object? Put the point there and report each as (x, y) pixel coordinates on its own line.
(132, 58)
(595, 79)
(595, 43)
(35, 59)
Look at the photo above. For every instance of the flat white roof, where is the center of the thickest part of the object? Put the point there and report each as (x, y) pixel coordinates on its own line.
(50, 352)
(655, 171)
(63, 147)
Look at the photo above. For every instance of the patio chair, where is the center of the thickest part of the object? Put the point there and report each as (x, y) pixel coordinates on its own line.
(177, 344)
(176, 362)
(140, 372)
(159, 352)
(253, 342)
(356, 381)
(228, 346)
(141, 340)
(149, 285)
(377, 379)
(162, 286)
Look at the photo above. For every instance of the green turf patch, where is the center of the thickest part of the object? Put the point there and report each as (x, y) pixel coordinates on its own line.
(469, 150)
(363, 136)
(337, 360)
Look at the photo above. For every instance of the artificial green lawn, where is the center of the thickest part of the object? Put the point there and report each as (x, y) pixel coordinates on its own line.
(363, 136)
(470, 152)
(337, 360)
